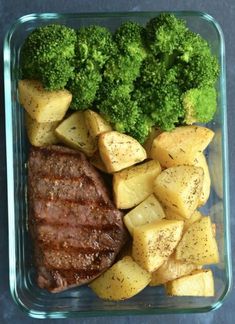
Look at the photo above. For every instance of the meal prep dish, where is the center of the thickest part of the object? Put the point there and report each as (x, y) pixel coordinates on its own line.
(170, 227)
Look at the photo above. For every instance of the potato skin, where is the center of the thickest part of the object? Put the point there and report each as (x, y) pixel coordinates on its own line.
(43, 106)
(132, 185)
(122, 281)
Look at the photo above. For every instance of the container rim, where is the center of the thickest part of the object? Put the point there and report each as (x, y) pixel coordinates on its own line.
(10, 176)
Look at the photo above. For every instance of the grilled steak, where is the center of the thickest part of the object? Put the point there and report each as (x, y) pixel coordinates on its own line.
(76, 229)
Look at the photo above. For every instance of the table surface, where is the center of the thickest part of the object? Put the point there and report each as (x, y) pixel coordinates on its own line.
(224, 13)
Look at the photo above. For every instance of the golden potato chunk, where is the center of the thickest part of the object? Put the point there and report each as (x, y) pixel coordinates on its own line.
(131, 186)
(199, 283)
(148, 211)
(119, 151)
(95, 123)
(42, 105)
(153, 243)
(198, 244)
(179, 188)
(40, 134)
(200, 161)
(170, 270)
(170, 214)
(194, 218)
(123, 280)
(73, 132)
(180, 146)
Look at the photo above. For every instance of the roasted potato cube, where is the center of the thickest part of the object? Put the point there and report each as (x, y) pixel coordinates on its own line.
(123, 280)
(199, 283)
(40, 134)
(153, 243)
(200, 161)
(148, 211)
(42, 105)
(73, 132)
(95, 123)
(170, 270)
(198, 244)
(119, 151)
(194, 218)
(131, 186)
(170, 214)
(179, 188)
(180, 146)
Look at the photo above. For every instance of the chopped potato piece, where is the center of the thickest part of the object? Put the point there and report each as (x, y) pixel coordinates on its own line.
(131, 186)
(198, 244)
(195, 217)
(95, 123)
(200, 161)
(149, 142)
(170, 270)
(153, 243)
(40, 134)
(199, 283)
(123, 280)
(42, 105)
(97, 162)
(119, 151)
(170, 214)
(73, 132)
(180, 146)
(179, 189)
(148, 211)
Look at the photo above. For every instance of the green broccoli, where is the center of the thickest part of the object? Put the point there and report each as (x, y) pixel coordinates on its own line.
(94, 47)
(199, 105)
(120, 111)
(165, 33)
(48, 55)
(122, 68)
(130, 39)
(94, 43)
(201, 70)
(84, 86)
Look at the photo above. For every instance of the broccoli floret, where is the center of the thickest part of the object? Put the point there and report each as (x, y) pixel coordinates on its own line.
(94, 43)
(158, 93)
(201, 70)
(165, 33)
(48, 55)
(122, 68)
(84, 86)
(141, 128)
(199, 105)
(129, 38)
(192, 44)
(121, 111)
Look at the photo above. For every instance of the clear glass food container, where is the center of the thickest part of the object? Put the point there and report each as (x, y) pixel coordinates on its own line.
(82, 301)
